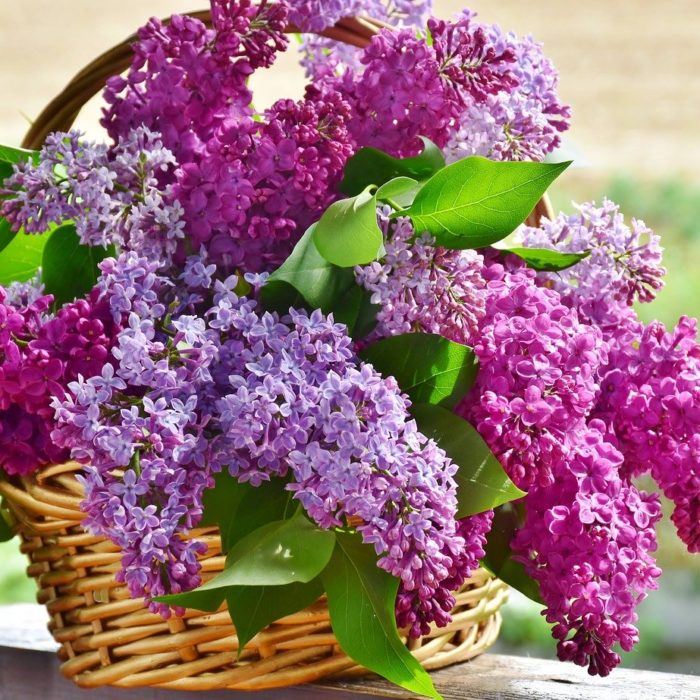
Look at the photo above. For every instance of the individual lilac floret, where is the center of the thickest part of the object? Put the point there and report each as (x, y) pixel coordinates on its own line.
(624, 264)
(112, 195)
(587, 541)
(423, 288)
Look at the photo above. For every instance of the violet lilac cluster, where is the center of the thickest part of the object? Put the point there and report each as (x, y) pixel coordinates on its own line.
(200, 380)
(588, 535)
(113, 196)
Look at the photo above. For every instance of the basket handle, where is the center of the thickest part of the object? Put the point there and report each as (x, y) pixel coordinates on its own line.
(63, 110)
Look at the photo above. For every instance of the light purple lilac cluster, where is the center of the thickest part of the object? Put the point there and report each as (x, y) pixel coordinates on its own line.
(423, 289)
(133, 423)
(200, 380)
(519, 124)
(589, 533)
(114, 196)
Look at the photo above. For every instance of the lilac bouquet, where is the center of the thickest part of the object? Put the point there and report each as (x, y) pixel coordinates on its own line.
(293, 325)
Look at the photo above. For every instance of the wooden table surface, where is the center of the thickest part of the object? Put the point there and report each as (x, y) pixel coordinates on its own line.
(29, 671)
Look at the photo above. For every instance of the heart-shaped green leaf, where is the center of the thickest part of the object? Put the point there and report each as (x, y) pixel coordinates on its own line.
(476, 202)
(482, 484)
(276, 554)
(429, 368)
(348, 233)
(545, 260)
(361, 600)
(68, 268)
(252, 608)
(370, 166)
(306, 278)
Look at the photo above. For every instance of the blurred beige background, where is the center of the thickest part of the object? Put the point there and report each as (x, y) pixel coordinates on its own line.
(630, 68)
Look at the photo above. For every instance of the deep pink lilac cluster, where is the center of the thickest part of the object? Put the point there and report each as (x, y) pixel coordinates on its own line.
(588, 534)
(39, 356)
(249, 184)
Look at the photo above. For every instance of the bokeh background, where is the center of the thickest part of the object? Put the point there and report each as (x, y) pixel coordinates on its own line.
(631, 71)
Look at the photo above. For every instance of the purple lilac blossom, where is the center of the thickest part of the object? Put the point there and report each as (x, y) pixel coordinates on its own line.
(587, 542)
(520, 124)
(422, 288)
(624, 264)
(113, 195)
(431, 84)
(39, 355)
(221, 385)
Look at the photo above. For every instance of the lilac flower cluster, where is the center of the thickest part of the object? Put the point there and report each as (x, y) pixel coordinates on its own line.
(421, 288)
(587, 542)
(249, 184)
(623, 265)
(649, 397)
(537, 378)
(431, 84)
(113, 196)
(199, 381)
(39, 355)
(296, 402)
(133, 423)
(588, 534)
(520, 124)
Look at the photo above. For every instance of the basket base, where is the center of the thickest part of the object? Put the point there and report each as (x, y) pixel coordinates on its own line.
(108, 638)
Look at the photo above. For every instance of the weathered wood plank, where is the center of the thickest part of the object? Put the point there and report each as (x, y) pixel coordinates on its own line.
(29, 671)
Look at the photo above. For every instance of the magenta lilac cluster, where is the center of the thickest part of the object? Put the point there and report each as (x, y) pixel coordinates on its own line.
(39, 355)
(571, 404)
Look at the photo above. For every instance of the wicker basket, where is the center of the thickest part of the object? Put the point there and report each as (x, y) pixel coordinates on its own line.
(108, 638)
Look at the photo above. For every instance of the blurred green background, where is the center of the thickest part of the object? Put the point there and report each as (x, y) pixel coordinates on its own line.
(630, 70)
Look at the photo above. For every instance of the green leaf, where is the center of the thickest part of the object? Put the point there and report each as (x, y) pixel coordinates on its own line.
(370, 166)
(361, 600)
(252, 608)
(69, 269)
(10, 154)
(476, 202)
(21, 256)
(6, 532)
(306, 278)
(400, 190)
(276, 554)
(239, 508)
(498, 559)
(348, 233)
(429, 368)
(482, 484)
(546, 260)
(6, 234)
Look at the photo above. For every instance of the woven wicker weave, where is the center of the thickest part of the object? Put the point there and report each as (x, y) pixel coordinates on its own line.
(109, 638)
